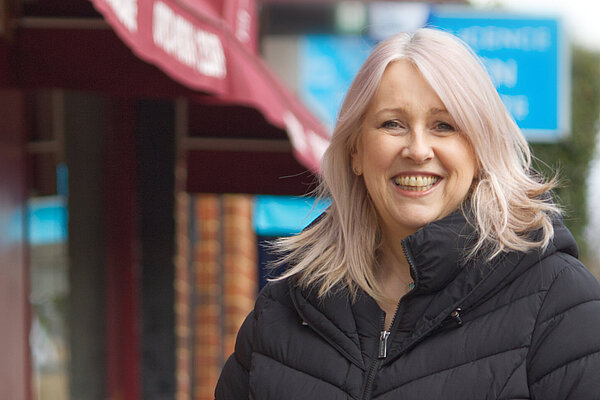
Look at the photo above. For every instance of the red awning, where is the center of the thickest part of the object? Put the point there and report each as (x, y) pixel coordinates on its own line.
(209, 45)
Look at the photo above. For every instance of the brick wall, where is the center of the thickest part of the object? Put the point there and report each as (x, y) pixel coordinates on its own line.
(240, 262)
(216, 285)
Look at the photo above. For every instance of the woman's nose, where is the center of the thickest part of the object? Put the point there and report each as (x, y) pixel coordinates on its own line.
(418, 148)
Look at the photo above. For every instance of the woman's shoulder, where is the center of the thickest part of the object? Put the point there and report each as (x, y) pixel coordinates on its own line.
(570, 280)
(565, 345)
(562, 287)
(275, 292)
(558, 264)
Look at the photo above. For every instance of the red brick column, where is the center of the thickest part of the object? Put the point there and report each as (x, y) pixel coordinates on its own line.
(207, 302)
(240, 266)
(216, 284)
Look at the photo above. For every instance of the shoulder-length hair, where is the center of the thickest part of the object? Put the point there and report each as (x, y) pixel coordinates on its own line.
(507, 201)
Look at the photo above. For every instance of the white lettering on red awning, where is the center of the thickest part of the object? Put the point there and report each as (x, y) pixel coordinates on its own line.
(126, 12)
(307, 143)
(244, 23)
(318, 144)
(191, 46)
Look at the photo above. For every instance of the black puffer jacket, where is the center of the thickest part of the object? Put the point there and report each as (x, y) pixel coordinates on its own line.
(526, 327)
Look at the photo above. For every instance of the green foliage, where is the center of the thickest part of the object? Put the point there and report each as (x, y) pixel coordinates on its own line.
(573, 154)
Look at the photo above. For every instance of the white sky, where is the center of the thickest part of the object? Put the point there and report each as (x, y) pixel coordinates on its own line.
(579, 16)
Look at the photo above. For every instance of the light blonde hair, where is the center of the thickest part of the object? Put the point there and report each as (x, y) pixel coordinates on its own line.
(507, 202)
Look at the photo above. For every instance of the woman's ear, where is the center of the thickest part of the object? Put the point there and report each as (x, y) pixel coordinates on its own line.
(356, 156)
(356, 162)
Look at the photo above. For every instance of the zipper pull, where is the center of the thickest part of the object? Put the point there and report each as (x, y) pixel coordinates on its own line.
(455, 315)
(383, 344)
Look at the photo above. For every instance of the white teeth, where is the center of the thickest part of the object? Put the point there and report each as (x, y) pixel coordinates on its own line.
(416, 183)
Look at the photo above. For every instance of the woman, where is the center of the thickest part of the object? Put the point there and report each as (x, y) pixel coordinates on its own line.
(441, 270)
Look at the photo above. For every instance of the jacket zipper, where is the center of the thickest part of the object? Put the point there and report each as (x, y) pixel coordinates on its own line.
(385, 335)
(382, 348)
(411, 263)
(376, 363)
(383, 344)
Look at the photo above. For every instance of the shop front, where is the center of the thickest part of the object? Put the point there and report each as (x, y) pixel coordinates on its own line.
(124, 139)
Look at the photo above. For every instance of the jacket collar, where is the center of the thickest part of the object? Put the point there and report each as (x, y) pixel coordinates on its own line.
(345, 323)
(331, 317)
(436, 251)
(443, 283)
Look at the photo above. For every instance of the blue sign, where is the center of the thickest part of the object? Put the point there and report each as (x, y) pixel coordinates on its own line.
(526, 58)
(284, 215)
(527, 61)
(47, 220)
(328, 64)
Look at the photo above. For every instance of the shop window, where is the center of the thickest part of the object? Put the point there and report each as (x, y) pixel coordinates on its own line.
(48, 251)
(49, 293)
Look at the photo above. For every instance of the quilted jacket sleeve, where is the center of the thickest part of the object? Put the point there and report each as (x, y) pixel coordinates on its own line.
(564, 359)
(233, 382)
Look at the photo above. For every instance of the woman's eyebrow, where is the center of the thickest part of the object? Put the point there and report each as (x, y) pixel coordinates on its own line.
(391, 110)
(436, 110)
(402, 110)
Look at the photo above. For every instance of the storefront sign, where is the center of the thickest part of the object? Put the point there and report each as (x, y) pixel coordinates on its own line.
(126, 12)
(210, 46)
(188, 44)
(328, 64)
(526, 57)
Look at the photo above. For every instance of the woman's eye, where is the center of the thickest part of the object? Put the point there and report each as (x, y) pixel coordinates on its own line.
(444, 127)
(391, 125)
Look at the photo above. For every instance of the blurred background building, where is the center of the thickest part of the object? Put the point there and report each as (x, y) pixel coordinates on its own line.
(148, 152)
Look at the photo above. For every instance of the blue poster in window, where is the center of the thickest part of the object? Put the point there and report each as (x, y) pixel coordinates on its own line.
(526, 56)
(527, 61)
(328, 65)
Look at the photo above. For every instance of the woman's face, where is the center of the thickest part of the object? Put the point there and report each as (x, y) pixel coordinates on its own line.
(416, 166)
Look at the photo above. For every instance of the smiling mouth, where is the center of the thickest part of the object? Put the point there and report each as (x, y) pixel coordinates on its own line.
(416, 183)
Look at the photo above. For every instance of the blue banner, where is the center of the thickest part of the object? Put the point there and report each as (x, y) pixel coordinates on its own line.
(526, 57)
(328, 64)
(527, 61)
(284, 215)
